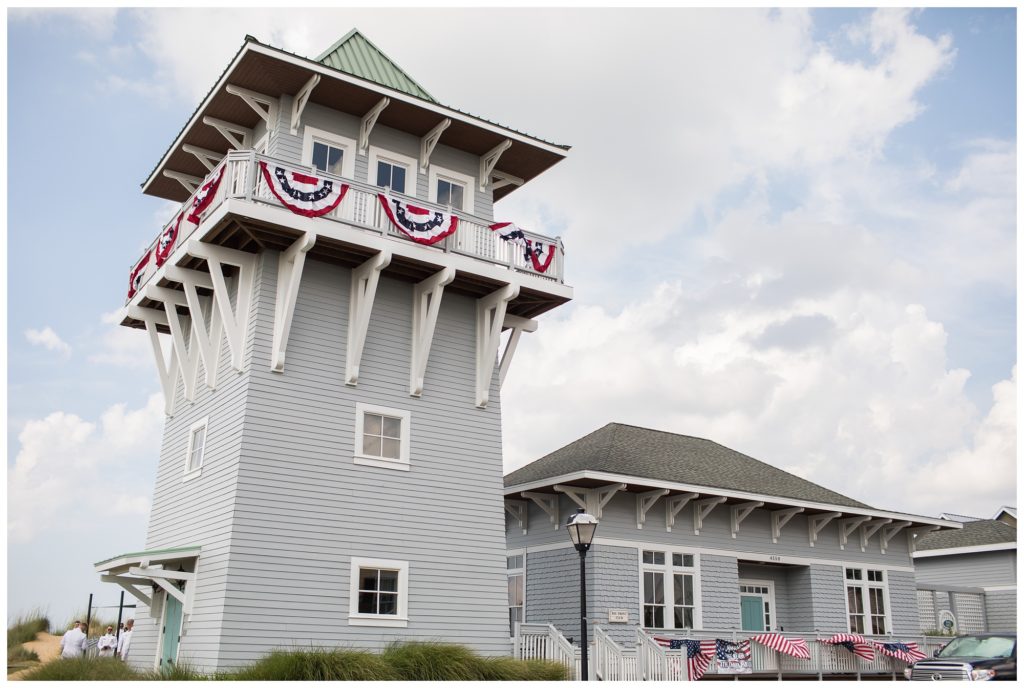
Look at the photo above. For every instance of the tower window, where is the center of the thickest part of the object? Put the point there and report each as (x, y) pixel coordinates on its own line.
(451, 188)
(328, 152)
(391, 175)
(328, 158)
(382, 437)
(379, 593)
(196, 451)
(450, 193)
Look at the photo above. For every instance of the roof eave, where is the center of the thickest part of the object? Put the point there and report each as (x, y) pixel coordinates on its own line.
(967, 549)
(717, 491)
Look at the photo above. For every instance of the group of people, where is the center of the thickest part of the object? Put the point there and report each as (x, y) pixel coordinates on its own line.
(73, 643)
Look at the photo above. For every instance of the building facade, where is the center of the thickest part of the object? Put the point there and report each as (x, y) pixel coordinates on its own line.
(326, 312)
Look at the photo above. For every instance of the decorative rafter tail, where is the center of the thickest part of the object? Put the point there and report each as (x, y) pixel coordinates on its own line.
(426, 304)
(289, 275)
(363, 291)
(490, 316)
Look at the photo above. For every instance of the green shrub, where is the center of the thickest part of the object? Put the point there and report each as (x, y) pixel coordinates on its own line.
(84, 669)
(431, 661)
(26, 627)
(317, 664)
(19, 654)
(176, 672)
(510, 669)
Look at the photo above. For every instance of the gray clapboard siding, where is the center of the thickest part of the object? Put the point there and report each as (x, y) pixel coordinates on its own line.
(828, 593)
(614, 583)
(719, 592)
(1001, 610)
(974, 570)
(799, 600)
(553, 589)
(782, 580)
(904, 615)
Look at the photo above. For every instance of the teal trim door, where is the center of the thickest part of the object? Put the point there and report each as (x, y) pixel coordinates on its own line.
(752, 612)
(171, 632)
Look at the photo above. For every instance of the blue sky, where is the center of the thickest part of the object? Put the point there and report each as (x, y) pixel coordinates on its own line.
(805, 221)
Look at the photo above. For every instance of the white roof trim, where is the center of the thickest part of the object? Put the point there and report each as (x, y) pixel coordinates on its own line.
(136, 558)
(705, 490)
(946, 551)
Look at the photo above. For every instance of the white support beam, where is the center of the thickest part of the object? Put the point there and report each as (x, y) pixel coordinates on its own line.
(237, 135)
(502, 179)
(890, 531)
(592, 500)
(190, 182)
(547, 502)
(236, 320)
(644, 502)
(869, 529)
(701, 509)
(426, 303)
(817, 522)
(263, 105)
(518, 326)
(299, 101)
(207, 326)
(146, 572)
(675, 504)
(368, 121)
(488, 160)
(780, 518)
(128, 584)
(289, 275)
(490, 316)
(166, 364)
(739, 512)
(362, 294)
(429, 142)
(520, 511)
(171, 589)
(187, 352)
(209, 158)
(847, 526)
(914, 533)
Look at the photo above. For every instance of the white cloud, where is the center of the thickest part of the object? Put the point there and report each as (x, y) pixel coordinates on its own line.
(122, 346)
(63, 459)
(49, 340)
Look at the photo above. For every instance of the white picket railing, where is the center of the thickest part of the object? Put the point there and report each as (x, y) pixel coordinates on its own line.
(612, 662)
(544, 641)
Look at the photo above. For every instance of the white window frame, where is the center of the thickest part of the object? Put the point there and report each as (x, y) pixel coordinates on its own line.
(864, 584)
(399, 620)
(469, 195)
(361, 458)
(348, 161)
(378, 154)
(192, 473)
(520, 571)
(772, 623)
(668, 570)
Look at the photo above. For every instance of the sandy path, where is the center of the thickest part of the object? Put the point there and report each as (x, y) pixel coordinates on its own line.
(46, 646)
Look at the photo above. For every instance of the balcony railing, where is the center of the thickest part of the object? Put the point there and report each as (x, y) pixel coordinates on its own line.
(362, 210)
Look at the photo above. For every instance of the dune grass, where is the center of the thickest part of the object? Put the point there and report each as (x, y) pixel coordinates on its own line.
(97, 625)
(317, 664)
(429, 661)
(83, 669)
(26, 626)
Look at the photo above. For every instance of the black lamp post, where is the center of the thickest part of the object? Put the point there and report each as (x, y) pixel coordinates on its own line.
(581, 527)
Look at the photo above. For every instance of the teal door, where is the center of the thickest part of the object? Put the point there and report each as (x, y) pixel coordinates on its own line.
(171, 632)
(752, 612)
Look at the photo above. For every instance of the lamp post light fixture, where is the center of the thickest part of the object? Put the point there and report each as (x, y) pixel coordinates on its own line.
(581, 527)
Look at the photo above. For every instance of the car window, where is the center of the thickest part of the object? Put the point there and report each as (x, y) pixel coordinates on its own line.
(969, 646)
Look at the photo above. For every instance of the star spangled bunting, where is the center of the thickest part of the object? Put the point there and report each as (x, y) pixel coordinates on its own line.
(699, 653)
(857, 644)
(905, 652)
(165, 243)
(794, 647)
(301, 193)
(422, 225)
(135, 277)
(537, 252)
(738, 650)
(207, 191)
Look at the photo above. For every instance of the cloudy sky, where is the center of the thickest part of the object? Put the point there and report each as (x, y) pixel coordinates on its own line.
(789, 232)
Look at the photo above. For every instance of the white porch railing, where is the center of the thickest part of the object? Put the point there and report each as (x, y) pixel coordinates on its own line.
(544, 641)
(361, 209)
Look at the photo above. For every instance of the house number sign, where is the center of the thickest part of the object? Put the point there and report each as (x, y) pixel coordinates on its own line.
(618, 616)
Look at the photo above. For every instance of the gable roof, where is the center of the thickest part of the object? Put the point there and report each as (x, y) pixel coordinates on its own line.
(973, 534)
(354, 54)
(658, 455)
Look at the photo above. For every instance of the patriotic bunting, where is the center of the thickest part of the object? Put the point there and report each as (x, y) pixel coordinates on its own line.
(699, 653)
(419, 224)
(135, 278)
(857, 644)
(733, 657)
(794, 647)
(905, 652)
(301, 193)
(204, 198)
(165, 244)
(538, 253)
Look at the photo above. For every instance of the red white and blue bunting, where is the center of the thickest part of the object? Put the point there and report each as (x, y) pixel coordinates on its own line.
(301, 193)
(538, 253)
(794, 647)
(905, 652)
(168, 238)
(207, 192)
(422, 225)
(857, 644)
(135, 277)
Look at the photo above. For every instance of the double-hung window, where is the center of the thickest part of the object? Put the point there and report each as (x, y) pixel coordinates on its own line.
(866, 597)
(379, 592)
(328, 152)
(669, 589)
(392, 170)
(516, 591)
(382, 437)
(451, 188)
(196, 449)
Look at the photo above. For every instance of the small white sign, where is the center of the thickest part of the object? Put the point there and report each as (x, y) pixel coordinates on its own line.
(618, 616)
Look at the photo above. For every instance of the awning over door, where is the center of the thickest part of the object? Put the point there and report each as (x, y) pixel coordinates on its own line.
(142, 574)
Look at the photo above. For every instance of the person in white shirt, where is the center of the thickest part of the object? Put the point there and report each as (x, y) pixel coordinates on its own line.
(72, 644)
(126, 640)
(106, 643)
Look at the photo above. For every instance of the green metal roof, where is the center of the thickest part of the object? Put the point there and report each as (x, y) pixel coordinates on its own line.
(150, 553)
(356, 55)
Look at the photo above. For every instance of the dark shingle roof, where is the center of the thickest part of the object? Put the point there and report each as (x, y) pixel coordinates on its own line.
(973, 534)
(658, 455)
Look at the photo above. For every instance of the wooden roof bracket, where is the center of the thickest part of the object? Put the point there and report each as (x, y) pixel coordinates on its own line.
(490, 317)
(429, 142)
(518, 326)
(289, 275)
(190, 182)
(368, 121)
(501, 179)
(263, 105)
(236, 320)
(816, 522)
(187, 353)
(675, 504)
(889, 532)
(913, 533)
(206, 335)
(520, 511)
(209, 158)
(488, 160)
(426, 303)
(362, 294)
(780, 518)
(547, 502)
(644, 502)
(592, 499)
(701, 509)
(166, 364)
(739, 512)
(237, 135)
(847, 526)
(129, 585)
(299, 101)
(869, 529)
